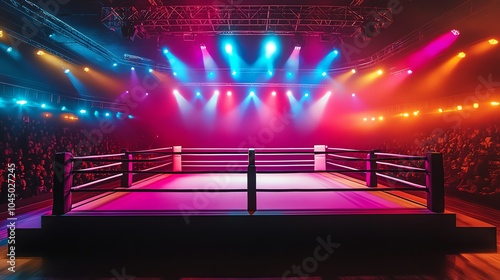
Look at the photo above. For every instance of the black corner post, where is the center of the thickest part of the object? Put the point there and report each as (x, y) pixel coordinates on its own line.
(126, 168)
(435, 182)
(371, 165)
(251, 183)
(63, 180)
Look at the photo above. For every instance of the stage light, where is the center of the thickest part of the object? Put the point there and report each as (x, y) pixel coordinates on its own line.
(198, 93)
(328, 93)
(47, 115)
(416, 113)
(455, 32)
(495, 103)
(130, 116)
(289, 93)
(270, 49)
(150, 70)
(107, 114)
(229, 48)
(459, 108)
(475, 105)
(297, 48)
(1, 33)
(493, 41)
(40, 53)
(203, 46)
(270, 73)
(229, 93)
(289, 74)
(373, 119)
(96, 113)
(380, 72)
(381, 118)
(252, 93)
(306, 95)
(52, 35)
(63, 108)
(83, 111)
(21, 102)
(165, 51)
(126, 91)
(410, 72)
(233, 73)
(353, 71)
(115, 64)
(353, 94)
(132, 68)
(176, 92)
(66, 71)
(440, 110)
(365, 119)
(323, 74)
(273, 93)
(461, 54)
(147, 94)
(86, 69)
(9, 49)
(175, 73)
(406, 115)
(336, 52)
(216, 92)
(43, 105)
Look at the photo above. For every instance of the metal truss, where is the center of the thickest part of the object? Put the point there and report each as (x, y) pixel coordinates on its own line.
(312, 20)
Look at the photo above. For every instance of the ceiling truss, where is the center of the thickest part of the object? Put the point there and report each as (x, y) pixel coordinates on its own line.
(312, 20)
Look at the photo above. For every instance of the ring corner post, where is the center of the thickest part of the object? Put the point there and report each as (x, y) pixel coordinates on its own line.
(177, 159)
(251, 183)
(63, 180)
(371, 166)
(319, 157)
(435, 182)
(127, 167)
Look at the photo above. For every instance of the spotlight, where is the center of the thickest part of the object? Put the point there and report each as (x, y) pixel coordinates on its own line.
(416, 113)
(380, 72)
(306, 95)
(229, 93)
(381, 118)
(493, 41)
(273, 93)
(270, 49)
(323, 74)
(461, 54)
(229, 48)
(9, 49)
(96, 113)
(115, 64)
(233, 73)
(66, 71)
(410, 72)
(475, 105)
(40, 53)
(165, 51)
(297, 47)
(216, 92)
(1, 33)
(107, 114)
(270, 73)
(353, 94)
(440, 110)
(43, 105)
(203, 46)
(176, 92)
(132, 68)
(198, 93)
(63, 108)
(336, 52)
(86, 69)
(328, 93)
(130, 116)
(83, 111)
(495, 103)
(175, 73)
(21, 102)
(455, 32)
(406, 115)
(365, 119)
(459, 108)
(147, 94)
(150, 70)
(373, 119)
(353, 71)
(289, 93)
(252, 93)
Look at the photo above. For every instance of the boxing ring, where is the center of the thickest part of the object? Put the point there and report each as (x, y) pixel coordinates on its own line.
(203, 202)
(258, 179)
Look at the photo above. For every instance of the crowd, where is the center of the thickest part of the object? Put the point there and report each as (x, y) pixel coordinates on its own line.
(470, 158)
(30, 145)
